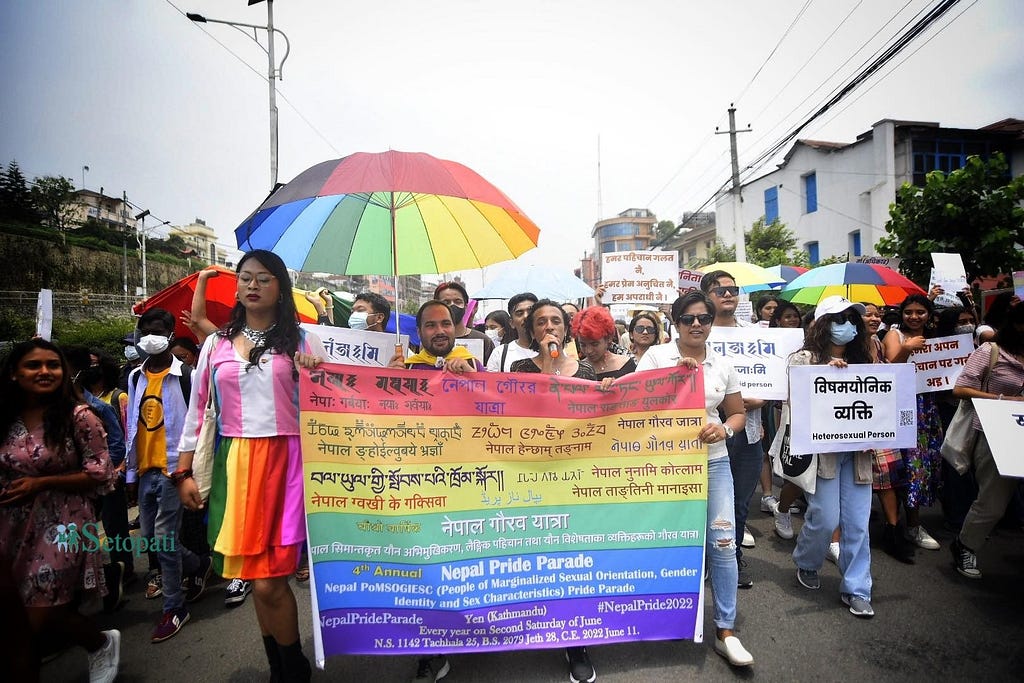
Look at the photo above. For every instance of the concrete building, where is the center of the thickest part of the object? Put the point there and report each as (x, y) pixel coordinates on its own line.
(694, 241)
(835, 196)
(631, 230)
(88, 205)
(201, 238)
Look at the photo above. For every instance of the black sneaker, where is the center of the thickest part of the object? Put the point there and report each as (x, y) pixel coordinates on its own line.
(197, 582)
(743, 579)
(431, 669)
(236, 591)
(581, 670)
(113, 573)
(965, 559)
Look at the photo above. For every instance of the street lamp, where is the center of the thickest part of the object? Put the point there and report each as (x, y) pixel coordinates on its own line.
(272, 73)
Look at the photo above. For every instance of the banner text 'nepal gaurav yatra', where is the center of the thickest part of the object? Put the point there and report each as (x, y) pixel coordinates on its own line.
(493, 511)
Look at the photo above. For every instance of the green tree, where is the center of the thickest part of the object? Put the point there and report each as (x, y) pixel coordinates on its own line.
(772, 245)
(15, 198)
(974, 211)
(663, 230)
(51, 196)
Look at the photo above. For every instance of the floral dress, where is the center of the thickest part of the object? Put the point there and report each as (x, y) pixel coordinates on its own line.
(49, 541)
(924, 463)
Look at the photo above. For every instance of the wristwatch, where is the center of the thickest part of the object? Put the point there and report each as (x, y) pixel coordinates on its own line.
(729, 433)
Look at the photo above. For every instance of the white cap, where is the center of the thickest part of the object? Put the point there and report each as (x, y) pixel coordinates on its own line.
(836, 304)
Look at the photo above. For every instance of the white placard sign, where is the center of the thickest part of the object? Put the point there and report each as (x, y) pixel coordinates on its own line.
(760, 357)
(941, 361)
(357, 347)
(951, 284)
(640, 277)
(44, 314)
(474, 346)
(1003, 424)
(853, 408)
(689, 280)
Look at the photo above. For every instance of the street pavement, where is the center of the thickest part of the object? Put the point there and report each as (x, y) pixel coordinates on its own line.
(931, 624)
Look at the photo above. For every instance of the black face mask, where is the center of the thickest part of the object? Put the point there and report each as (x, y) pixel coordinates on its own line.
(457, 313)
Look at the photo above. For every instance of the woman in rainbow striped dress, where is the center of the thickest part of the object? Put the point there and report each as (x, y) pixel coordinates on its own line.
(256, 516)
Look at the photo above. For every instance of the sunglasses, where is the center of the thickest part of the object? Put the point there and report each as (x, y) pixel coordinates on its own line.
(732, 290)
(840, 318)
(643, 329)
(703, 318)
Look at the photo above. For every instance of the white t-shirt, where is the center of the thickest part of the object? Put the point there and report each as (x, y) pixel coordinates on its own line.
(720, 379)
(511, 352)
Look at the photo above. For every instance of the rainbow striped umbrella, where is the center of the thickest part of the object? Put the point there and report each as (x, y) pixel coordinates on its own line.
(391, 213)
(865, 282)
(787, 273)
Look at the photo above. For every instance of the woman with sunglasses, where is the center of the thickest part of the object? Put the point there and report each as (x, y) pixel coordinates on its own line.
(693, 315)
(923, 464)
(644, 332)
(256, 522)
(842, 493)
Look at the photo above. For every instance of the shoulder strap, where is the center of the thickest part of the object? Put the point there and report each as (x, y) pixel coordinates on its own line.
(185, 381)
(993, 361)
(504, 355)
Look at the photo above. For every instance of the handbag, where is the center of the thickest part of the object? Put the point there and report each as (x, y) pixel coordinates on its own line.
(961, 437)
(202, 459)
(802, 470)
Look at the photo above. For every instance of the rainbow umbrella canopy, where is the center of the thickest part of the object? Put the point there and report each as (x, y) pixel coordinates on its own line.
(865, 282)
(787, 273)
(390, 213)
(749, 277)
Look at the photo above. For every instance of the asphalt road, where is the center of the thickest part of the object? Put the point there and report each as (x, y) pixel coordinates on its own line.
(930, 624)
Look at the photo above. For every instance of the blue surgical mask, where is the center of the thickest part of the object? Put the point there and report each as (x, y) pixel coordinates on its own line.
(843, 333)
(357, 320)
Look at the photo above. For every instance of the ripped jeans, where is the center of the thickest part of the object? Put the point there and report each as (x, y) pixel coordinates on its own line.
(720, 544)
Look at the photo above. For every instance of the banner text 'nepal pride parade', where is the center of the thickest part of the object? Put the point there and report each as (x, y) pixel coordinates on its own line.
(493, 511)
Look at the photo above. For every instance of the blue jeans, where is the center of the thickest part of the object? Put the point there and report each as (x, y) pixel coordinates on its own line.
(745, 461)
(160, 519)
(843, 503)
(720, 542)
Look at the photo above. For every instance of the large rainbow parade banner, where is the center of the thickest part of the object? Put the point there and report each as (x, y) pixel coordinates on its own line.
(452, 513)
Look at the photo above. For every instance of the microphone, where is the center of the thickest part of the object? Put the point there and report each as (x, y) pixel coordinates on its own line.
(553, 350)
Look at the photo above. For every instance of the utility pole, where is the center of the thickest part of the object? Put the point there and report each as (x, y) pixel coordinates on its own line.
(124, 238)
(140, 236)
(737, 226)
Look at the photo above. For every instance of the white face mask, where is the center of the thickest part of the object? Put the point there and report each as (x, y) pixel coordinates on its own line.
(131, 353)
(154, 344)
(494, 335)
(357, 320)
(964, 329)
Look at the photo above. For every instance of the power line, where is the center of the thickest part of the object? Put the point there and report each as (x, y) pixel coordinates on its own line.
(774, 49)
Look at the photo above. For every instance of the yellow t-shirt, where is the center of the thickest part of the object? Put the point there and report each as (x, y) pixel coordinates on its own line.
(151, 439)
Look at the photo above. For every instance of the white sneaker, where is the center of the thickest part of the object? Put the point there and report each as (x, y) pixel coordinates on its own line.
(748, 538)
(784, 525)
(922, 538)
(103, 663)
(769, 504)
(832, 554)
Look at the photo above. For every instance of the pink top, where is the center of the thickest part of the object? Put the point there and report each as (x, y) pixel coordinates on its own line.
(259, 402)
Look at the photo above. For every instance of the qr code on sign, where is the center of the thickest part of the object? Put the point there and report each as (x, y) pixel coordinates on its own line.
(906, 418)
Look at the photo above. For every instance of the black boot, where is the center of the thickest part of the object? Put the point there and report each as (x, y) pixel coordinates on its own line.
(896, 545)
(274, 657)
(295, 666)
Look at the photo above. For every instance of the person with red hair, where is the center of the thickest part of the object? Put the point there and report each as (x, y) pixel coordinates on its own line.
(595, 334)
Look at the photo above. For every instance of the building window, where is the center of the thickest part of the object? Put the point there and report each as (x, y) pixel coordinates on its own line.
(616, 230)
(810, 193)
(771, 204)
(949, 155)
(691, 254)
(812, 253)
(855, 243)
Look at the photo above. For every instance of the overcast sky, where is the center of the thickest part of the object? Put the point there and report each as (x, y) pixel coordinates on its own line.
(519, 91)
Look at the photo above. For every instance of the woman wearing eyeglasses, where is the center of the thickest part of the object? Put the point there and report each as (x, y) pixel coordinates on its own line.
(693, 315)
(644, 332)
(842, 493)
(256, 520)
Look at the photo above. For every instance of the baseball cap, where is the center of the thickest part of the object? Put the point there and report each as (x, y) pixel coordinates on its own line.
(836, 304)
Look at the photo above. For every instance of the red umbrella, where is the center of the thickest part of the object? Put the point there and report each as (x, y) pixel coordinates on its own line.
(220, 299)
